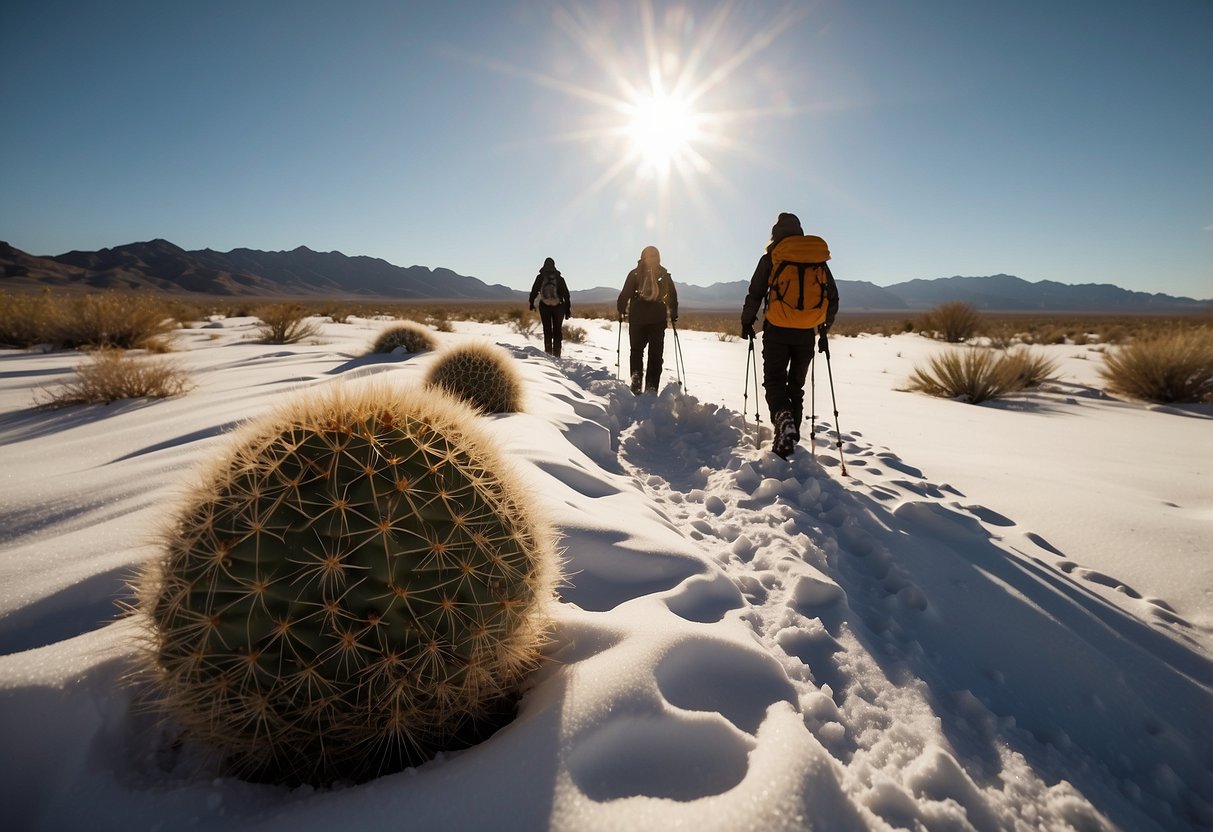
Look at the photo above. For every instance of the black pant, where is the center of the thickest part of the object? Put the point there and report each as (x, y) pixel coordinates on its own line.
(552, 317)
(784, 368)
(653, 337)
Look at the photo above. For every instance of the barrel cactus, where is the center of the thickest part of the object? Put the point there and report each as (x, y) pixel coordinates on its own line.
(481, 374)
(411, 336)
(357, 583)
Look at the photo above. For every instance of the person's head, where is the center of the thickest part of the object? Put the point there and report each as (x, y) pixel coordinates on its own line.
(650, 258)
(549, 263)
(786, 225)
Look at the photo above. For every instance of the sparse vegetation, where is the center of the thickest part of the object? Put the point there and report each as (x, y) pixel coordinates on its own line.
(1027, 368)
(1173, 366)
(523, 321)
(94, 321)
(972, 375)
(109, 375)
(954, 322)
(285, 323)
(572, 333)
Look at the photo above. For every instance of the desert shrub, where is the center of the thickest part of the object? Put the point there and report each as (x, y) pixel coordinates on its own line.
(726, 337)
(523, 321)
(481, 374)
(285, 323)
(572, 333)
(954, 322)
(411, 336)
(968, 375)
(24, 319)
(110, 374)
(102, 321)
(1175, 366)
(358, 582)
(1026, 368)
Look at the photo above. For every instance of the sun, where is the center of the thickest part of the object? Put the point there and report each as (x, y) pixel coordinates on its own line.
(662, 130)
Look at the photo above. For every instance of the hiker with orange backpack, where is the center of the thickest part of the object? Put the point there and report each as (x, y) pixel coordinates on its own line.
(647, 298)
(794, 284)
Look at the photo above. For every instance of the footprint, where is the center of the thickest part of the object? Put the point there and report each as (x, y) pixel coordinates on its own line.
(736, 682)
(663, 756)
(705, 598)
(815, 649)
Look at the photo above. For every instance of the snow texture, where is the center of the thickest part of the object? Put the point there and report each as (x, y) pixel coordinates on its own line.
(1006, 624)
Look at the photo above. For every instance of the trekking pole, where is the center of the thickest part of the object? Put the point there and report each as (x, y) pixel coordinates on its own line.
(745, 395)
(751, 361)
(619, 350)
(679, 367)
(834, 401)
(813, 409)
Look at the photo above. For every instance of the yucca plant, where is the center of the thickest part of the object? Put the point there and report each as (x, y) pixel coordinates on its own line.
(954, 322)
(1027, 368)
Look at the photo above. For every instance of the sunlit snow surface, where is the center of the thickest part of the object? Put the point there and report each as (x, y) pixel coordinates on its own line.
(1000, 618)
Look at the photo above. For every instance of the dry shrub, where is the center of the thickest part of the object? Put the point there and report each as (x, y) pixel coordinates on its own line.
(24, 319)
(572, 333)
(109, 375)
(1174, 366)
(967, 375)
(285, 323)
(1027, 368)
(410, 335)
(524, 322)
(954, 322)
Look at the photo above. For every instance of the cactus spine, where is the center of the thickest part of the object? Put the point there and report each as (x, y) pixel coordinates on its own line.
(354, 584)
(481, 374)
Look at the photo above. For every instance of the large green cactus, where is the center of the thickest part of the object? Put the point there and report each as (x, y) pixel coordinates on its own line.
(481, 374)
(353, 585)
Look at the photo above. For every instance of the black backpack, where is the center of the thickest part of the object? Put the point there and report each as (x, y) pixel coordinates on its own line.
(549, 289)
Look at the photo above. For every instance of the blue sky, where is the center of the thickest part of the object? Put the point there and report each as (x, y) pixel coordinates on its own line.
(1067, 140)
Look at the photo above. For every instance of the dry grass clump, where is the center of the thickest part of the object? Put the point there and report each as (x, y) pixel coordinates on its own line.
(1027, 368)
(110, 374)
(572, 333)
(954, 322)
(285, 323)
(410, 335)
(977, 375)
(97, 321)
(481, 374)
(1175, 366)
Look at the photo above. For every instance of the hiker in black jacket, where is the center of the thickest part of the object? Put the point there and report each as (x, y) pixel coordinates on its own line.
(795, 319)
(554, 305)
(648, 296)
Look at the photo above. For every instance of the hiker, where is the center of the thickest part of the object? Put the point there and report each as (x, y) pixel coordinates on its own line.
(648, 294)
(800, 300)
(554, 305)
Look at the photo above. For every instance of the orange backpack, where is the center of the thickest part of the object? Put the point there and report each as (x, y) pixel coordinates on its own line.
(796, 291)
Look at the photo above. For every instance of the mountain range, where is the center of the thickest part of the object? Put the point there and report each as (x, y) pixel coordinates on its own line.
(159, 265)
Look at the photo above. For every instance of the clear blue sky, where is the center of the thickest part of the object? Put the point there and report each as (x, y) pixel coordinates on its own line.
(1067, 140)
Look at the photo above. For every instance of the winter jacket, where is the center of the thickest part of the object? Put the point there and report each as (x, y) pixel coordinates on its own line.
(759, 285)
(641, 312)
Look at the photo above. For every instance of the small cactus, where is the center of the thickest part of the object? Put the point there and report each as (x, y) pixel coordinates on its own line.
(412, 336)
(355, 585)
(481, 374)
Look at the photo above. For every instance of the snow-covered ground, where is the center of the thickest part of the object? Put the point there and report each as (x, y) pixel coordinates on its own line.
(1001, 617)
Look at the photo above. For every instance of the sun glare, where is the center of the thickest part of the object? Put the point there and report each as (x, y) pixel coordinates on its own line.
(662, 130)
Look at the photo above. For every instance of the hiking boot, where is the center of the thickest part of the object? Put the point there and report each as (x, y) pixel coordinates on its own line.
(784, 441)
(636, 378)
(651, 388)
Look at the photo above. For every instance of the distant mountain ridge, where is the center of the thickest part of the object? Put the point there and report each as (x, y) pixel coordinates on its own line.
(159, 265)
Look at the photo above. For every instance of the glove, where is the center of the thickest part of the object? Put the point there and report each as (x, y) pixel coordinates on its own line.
(532, 307)
(747, 330)
(568, 311)
(674, 319)
(822, 344)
